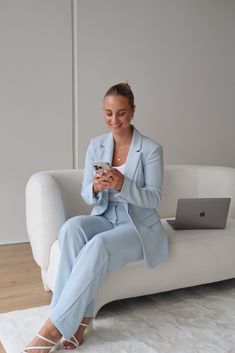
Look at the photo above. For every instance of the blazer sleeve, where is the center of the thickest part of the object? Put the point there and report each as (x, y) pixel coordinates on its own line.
(149, 195)
(87, 192)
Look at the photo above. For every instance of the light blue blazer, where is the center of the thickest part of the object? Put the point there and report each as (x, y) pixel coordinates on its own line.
(141, 190)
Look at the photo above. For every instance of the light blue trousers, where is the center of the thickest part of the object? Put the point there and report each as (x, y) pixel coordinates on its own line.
(91, 246)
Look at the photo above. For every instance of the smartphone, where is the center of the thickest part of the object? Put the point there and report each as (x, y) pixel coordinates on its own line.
(102, 166)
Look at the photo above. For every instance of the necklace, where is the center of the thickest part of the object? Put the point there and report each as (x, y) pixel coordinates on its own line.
(121, 154)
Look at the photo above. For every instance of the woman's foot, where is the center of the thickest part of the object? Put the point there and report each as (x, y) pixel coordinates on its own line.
(48, 337)
(77, 339)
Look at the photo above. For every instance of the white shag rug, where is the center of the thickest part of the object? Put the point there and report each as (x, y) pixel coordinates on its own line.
(194, 320)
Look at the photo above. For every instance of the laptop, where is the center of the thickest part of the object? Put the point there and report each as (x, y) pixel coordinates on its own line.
(201, 213)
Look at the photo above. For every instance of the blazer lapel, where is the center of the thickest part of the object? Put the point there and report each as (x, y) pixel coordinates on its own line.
(106, 149)
(134, 154)
(105, 153)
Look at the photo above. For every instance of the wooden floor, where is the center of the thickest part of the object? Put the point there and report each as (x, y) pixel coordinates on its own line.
(20, 280)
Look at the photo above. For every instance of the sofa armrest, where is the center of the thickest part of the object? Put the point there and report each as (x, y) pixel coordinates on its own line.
(44, 215)
(51, 198)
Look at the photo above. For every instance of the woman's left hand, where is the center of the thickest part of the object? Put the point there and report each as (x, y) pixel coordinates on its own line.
(118, 179)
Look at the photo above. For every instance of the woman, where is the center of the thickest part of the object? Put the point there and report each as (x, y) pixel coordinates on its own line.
(123, 226)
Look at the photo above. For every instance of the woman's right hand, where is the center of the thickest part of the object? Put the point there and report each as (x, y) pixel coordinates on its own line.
(101, 181)
(96, 184)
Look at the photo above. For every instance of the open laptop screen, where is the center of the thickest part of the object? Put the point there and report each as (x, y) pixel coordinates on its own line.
(201, 213)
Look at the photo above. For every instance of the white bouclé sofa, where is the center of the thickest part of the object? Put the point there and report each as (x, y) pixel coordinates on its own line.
(196, 256)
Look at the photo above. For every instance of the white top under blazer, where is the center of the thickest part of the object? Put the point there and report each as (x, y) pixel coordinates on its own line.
(112, 193)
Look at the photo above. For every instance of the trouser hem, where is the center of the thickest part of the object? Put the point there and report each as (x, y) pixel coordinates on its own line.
(60, 326)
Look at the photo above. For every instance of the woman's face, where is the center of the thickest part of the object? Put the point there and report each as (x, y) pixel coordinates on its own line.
(117, 113)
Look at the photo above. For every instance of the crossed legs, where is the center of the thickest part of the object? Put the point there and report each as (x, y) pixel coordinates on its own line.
(91, 246)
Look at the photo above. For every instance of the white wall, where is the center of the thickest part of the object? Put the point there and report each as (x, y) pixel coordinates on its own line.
(36, 101)
(179, 57)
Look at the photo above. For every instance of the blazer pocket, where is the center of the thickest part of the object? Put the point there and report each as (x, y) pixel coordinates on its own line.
(149, 220)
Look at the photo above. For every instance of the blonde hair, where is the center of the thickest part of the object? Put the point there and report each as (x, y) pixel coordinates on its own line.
(122, 89)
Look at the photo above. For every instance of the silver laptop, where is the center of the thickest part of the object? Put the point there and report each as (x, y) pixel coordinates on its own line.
(201, 213)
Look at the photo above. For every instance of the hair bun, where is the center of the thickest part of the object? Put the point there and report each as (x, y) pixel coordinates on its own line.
(125, 84)
(122, 89)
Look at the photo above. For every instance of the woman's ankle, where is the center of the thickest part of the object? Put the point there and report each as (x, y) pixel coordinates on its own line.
(86, 320)
(78, 334)
(50, 331)
(82, 328)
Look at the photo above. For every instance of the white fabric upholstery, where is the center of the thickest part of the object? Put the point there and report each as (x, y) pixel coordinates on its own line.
(196, 256)
(51, 198)
(195, 181)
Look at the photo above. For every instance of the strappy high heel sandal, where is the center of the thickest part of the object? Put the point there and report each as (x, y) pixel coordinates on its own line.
(73, 340)
(51, 348)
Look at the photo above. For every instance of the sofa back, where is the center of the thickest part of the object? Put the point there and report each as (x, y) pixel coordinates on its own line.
(183, 181)
(179, 181)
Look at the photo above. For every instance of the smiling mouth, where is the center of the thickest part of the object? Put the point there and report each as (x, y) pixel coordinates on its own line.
(116, 126)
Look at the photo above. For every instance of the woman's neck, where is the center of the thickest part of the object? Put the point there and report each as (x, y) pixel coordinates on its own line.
(124, 139)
